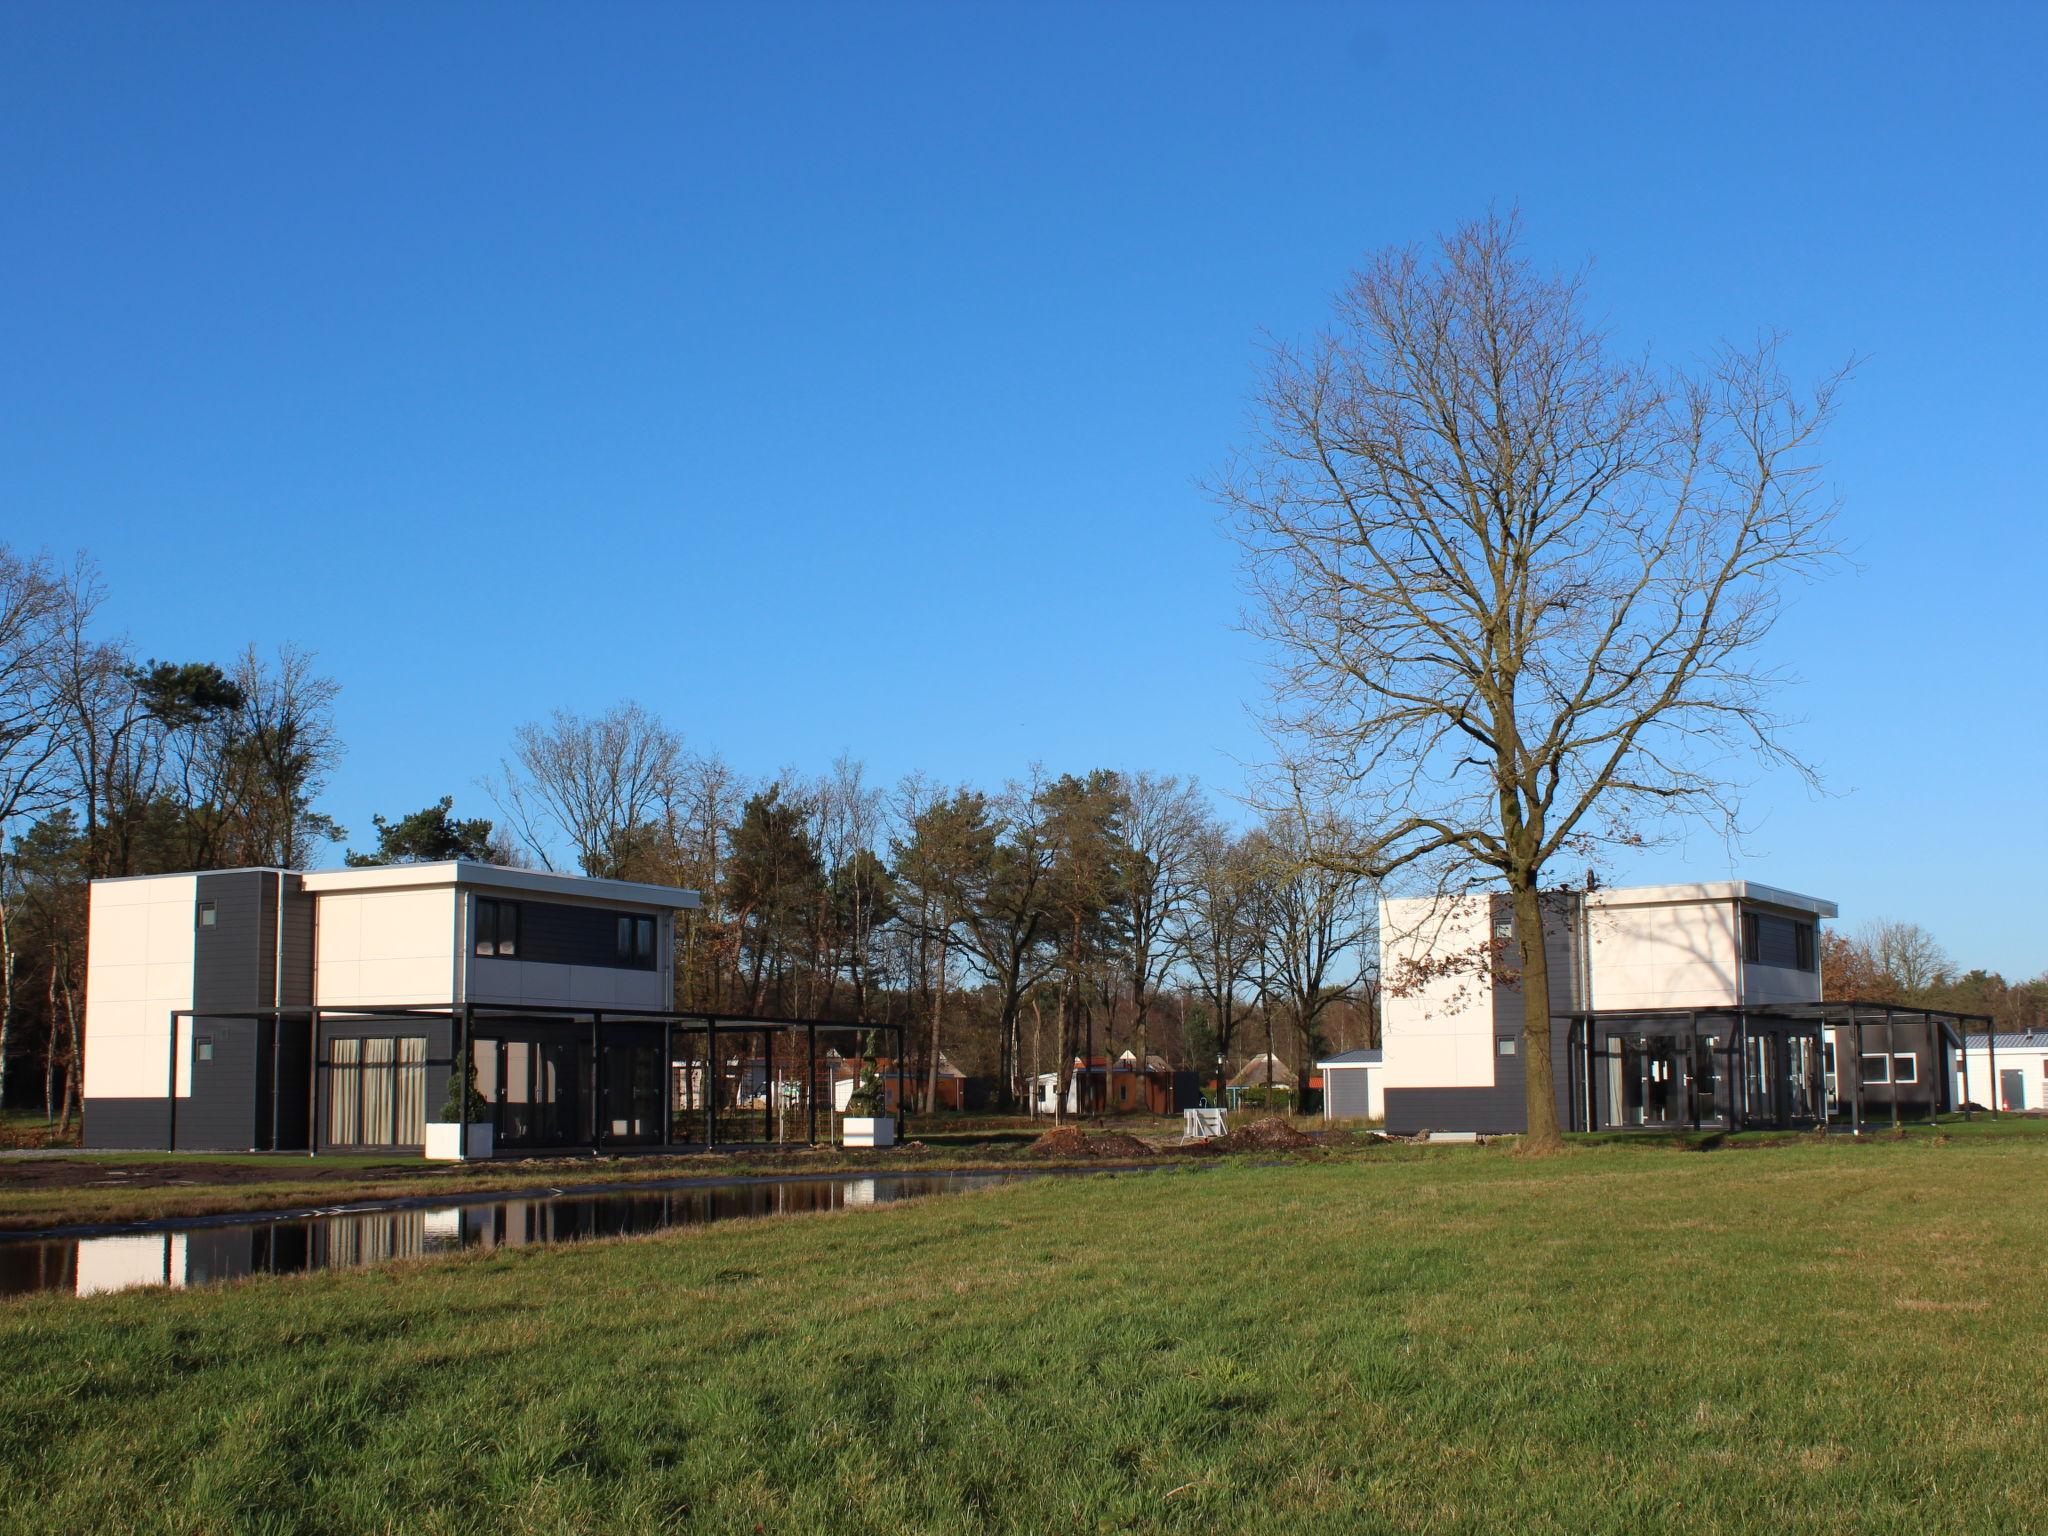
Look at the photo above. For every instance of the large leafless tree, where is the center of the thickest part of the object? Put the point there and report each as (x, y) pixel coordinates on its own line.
(1517, 583)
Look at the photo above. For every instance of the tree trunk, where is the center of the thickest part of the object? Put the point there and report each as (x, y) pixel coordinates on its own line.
(6, 997)
(1037, 1053)
(1538, 1070)
(931, 1082)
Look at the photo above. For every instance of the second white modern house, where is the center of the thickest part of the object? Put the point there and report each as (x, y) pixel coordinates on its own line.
(1672, 1006)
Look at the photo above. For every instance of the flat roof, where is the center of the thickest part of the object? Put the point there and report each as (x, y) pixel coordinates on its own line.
(1710, 890)
(400, 877)
(382, 877)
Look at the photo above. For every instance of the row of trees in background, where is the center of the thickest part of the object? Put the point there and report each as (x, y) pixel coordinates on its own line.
(1016, 929)
(1900, 962)
(1013, 929)
(113, 764)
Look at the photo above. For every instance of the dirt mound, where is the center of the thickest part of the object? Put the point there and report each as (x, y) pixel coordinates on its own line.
(1072, 1141)
(1273, 1135)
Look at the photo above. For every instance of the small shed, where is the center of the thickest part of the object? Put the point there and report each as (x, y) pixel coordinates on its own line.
(1354, 1087)
(2010, 1074)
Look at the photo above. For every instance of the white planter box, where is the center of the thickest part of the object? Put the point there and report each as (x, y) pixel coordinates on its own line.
(444, 1141)
(858, 1131)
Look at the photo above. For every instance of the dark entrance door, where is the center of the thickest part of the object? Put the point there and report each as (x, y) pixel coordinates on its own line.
(2012, 1088)
(540, 1086)
(629, 1085)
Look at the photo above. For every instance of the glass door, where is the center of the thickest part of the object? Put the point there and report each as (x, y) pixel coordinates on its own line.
(629, 1078)
(540, 1093)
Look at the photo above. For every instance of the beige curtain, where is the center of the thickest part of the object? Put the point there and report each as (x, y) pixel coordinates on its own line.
(344, 1093)
(412, 1091)
(377, 1106)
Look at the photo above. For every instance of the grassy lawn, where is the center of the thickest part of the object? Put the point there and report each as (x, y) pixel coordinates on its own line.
(1804, 1337)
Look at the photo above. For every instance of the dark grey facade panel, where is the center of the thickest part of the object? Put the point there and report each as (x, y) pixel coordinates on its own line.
(219, 1115)
(557, 934)
(298, 943)
(231, 956)
(1499, 1110)
(126, 1125)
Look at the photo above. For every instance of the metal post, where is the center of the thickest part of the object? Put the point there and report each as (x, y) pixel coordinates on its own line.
(597, 1116)
(811, 1083)
(1965, 1035)
(171, 1091)
(668, 1080)
(1856, 1107)
(1692, 1066)
(1891, 1063)
(902, 1113)
(1991, 1045)
(276, 1077)
(710, 1083)
(768, 1084)
(313, 1083)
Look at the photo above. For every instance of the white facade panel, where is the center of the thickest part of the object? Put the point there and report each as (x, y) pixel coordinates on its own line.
(386, 946)
(1437, 1002)
(139, 949)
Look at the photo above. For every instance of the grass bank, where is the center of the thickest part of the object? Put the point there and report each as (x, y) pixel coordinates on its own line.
(1811, 1337)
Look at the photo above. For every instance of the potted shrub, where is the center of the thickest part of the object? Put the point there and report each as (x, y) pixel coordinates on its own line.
(866, 1121)
(464, 1129)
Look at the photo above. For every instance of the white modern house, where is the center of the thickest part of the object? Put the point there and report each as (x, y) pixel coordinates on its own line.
(264, 1008)
(1671, 1006)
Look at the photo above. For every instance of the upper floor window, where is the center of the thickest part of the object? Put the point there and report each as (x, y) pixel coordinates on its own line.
(635, 942)
(497, 927)
(1782, 941)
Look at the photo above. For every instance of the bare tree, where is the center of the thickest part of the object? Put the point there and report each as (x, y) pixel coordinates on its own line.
(597, 783)
(34, 601)
(1162, 817)
(1516, 586)
(1906, 956)
(1218, 936)
(1315, 902)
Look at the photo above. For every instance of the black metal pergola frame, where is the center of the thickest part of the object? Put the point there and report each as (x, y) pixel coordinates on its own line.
(1738, 1025)
(464, 1017)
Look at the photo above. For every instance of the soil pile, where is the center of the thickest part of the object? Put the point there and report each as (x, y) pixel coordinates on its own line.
(1274, 1135)
(1072, 1141)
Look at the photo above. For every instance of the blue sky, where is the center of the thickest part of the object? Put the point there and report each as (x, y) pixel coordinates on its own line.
(839, 378)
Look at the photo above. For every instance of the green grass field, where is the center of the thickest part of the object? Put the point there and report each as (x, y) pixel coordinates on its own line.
(1624, 1338)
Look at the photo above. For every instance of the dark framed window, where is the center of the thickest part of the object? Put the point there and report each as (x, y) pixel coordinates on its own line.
(1802, 946)
(1768, 939)
(209, 914)
(1905, 1067)
(497, 927)
(204, 1047)
(1876, 1068)
(1504, 1045)
(634, 942)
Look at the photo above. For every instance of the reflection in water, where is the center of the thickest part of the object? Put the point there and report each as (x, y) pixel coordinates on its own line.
(199, 1255)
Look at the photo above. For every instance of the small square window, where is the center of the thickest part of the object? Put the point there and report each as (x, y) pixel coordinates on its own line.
(207, 914)
(1877, 1069)
(204, 1047)
(1905, 1067)
(1504, 1046)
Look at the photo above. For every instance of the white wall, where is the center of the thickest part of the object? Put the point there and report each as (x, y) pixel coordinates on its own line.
(2032, 1062)
(1670, 955)
(138, 967)
(1437, 1033)
(396, 946)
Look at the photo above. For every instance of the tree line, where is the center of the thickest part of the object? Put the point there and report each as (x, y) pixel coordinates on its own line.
(1009, 929)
